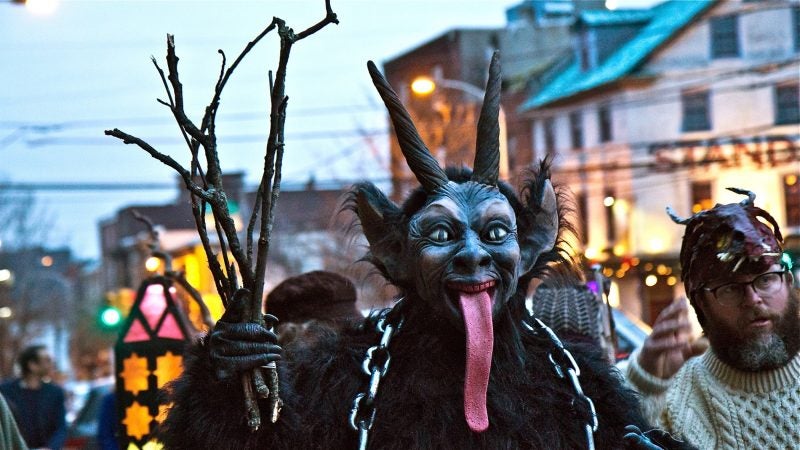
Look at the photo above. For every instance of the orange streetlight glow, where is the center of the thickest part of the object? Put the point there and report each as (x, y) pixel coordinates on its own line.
(422, 86)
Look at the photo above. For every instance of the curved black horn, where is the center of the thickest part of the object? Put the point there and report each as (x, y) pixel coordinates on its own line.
(677, 219)
(425, 167)
(751, 196)
(487, 154)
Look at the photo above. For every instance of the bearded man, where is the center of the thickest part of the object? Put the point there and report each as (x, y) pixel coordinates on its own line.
(745, 391)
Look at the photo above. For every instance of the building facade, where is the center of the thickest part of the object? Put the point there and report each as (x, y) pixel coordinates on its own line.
(669, 107)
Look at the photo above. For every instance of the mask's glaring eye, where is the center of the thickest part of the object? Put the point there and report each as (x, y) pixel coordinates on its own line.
(439, 234)
(496, 233)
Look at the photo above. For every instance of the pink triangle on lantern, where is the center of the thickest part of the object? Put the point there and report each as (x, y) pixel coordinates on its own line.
(153, 304)
(170, 329)
(136, 333)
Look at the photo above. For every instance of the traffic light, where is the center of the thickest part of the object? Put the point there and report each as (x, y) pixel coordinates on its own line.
(109, 318)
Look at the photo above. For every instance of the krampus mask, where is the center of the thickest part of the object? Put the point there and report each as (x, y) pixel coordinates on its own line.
(457, 249)
(727, 239)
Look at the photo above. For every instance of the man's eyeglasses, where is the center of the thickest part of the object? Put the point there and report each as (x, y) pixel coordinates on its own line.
(731, 294)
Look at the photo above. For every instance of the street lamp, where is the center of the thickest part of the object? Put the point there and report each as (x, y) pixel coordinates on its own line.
(38, 6)
(423, 86)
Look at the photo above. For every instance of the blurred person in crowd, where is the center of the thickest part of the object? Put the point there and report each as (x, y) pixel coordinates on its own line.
(312, 303)
(107, 423)
(574, 312)
(744, 392)
(37, 404)
(10, 438)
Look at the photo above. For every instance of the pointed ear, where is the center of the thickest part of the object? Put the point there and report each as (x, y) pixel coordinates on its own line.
(538, 234)
(380, 219)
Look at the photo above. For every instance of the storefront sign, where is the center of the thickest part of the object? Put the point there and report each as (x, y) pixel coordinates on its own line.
(760, 151)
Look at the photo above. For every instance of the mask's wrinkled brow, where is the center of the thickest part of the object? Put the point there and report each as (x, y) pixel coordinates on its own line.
(442, 206)
(498, 209)
(486, 209)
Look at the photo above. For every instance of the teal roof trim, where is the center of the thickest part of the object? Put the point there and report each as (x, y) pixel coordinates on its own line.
(621, 16)
(668, 18)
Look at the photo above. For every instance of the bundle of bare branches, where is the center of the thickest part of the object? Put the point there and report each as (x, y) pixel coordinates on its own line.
(244, 275)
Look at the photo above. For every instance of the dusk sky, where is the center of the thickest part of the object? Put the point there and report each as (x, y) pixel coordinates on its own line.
(85, 67)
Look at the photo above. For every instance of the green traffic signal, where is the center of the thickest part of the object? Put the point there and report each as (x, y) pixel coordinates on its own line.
(110, 317)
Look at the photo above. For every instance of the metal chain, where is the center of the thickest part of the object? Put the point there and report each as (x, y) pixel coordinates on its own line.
(375, 366)
(566, 368)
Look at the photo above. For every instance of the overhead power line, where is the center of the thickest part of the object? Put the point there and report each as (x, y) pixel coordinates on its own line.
(67, 186)
(230, 138)
(159, 120)
(86, 186)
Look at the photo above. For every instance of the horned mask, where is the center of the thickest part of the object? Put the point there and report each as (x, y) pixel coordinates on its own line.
(735, 237)
(463, 249)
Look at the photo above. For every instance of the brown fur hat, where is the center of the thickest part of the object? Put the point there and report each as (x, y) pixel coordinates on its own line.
(317, 295)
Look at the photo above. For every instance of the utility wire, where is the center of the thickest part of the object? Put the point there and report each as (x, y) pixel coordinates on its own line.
(223, 138)
(664, 95)
(156, 120)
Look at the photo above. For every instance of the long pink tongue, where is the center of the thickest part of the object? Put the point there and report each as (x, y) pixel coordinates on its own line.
(477, 311)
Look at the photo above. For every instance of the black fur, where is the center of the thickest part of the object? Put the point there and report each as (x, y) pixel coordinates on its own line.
(420, 400)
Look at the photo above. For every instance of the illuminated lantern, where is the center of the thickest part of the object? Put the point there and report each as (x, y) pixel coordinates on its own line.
(149, 354)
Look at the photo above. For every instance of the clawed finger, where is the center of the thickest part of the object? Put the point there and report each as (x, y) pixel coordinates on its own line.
(225, 367)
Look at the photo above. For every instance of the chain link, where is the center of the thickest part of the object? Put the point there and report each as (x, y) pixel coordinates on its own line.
(375, 366)
(568, 370)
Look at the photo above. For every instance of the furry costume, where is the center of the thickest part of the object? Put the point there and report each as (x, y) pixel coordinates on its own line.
(462, 237)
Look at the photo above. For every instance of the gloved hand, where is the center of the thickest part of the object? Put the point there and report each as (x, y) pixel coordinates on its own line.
(654, 439)
(237, 346)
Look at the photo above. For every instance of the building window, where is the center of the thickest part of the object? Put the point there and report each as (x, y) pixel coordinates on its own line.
(796, 27)
(787, 104)
(701, 196)
(576, 130)
(695, 111)
(791, 194)
(724, 37)
(549, 136)
(604, 123)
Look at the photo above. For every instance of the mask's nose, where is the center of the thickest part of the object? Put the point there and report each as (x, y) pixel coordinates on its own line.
(472, 254)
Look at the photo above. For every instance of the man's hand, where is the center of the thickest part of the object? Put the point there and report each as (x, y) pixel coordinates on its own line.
(237, 346)
(669, 346)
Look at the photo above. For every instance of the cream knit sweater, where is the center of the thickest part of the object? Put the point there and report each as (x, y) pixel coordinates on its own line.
(714, 406)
